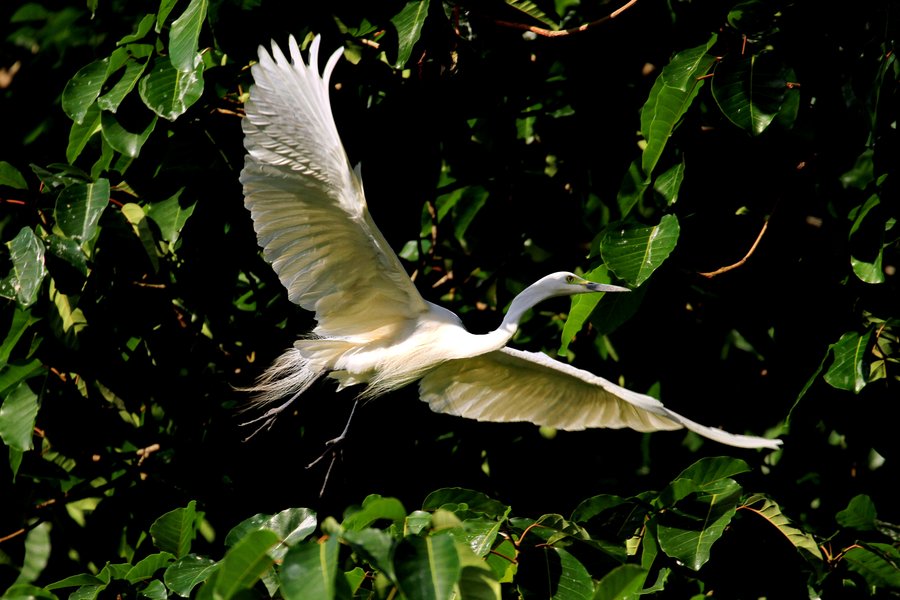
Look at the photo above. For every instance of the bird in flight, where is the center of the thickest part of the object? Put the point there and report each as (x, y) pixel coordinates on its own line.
(373, 328)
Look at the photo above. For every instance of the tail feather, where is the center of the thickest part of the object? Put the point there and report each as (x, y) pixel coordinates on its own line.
(288, 377)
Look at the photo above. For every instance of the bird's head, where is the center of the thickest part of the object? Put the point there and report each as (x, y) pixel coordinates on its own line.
(569, 284)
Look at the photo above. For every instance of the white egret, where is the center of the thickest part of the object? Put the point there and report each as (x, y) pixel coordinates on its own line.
(373, 327)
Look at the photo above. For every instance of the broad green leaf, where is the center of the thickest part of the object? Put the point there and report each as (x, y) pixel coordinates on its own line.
(185, 34)
(860, 514)
(750, 90)
(71, 320)
(867, 240)
(80, 580)
(23, 283)
(37, 553)
(687, 534)
(581, 308)
(847, 372)
(13, 374)
(862, 173)
(532, 10)
(148, 566)
(616, 309)
(133, 69)
(170, 216)
(771, 512)
(254, 523)
(21, 321)
(310, 570)
(427, 568)
(174, 531)
(671, 95)
(79, 134)
(668, 184)
(879, 564)
(622, 583)
(552, 572)
(11, 176)
(185, 573)
(293, 525)
(454, 498)
(165, 8)
(245, 563)
(631, 190)
(375, 508)
(374, 546)
(478, 534)
(83, 89)
(476, 579)
(591, 507)
(155, 590)
(122, 140)
(168, 91)
(142, 29)
(26, 591)
(714, 468)
(69, 250)
(79, 207)
(633, 252)
(17, 414)
(409, 22)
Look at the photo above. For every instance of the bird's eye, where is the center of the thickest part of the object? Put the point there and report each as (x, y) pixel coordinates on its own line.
(570, 279)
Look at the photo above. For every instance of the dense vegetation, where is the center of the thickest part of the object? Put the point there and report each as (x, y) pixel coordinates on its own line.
(734, 162)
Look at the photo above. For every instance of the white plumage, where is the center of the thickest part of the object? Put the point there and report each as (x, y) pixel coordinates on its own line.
(373, 327)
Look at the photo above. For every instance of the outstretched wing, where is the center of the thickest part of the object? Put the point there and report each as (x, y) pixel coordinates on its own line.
(512, 385)
(308, 206)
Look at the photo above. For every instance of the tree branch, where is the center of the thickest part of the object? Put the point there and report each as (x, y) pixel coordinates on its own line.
(739, 263)
(562, 32)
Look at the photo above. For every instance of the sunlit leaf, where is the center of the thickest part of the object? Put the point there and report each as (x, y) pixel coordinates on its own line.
(427, 568)
(185, 573)
(847, 372)
(69, 250)
(633, 252)
(671, 95)
(374, 546)
(860, 514)
(750, 90)
(668, 184)
(631, 190)
(79, 207)
(184, 36)
(714, 468)
(454, 498)
(293, 525)
(310, 570)
(122, 140)
(245, 563)
(17, 415)
(26, 591)
(133, 69)
(174, 531)
(168, 91)
(879, 564)
(374, 508)
(622, 583)
(582, 307)
(770, 511)
(148, 566)
(532, 10)
(170, 216)
(23, 283)
(409, 22)
(83, 89)
(37, 553)
(476, 579)
(80, 134)
(142, 29)
(11, 176)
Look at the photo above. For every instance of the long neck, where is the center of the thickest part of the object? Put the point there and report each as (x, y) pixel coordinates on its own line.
(520, 304)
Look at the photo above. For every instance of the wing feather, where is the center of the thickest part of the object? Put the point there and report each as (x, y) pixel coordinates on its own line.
(512, 385)
(308, 205)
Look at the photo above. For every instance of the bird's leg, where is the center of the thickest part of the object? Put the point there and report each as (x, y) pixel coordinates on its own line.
(332, 449)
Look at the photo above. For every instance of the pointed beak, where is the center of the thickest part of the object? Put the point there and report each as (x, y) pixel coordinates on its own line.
(604, 287)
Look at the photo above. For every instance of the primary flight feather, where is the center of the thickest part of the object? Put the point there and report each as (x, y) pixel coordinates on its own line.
(372, 325)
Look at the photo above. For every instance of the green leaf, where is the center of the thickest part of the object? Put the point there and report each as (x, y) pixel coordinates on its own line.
(750, 90)
(111, 100)
(374, 546)
(427, 568)
(582, 307)
(476, 579)
(79, 207)
(155, 590)
(310, 570)
(80, 134)
(11, 177)
(714, 468)
(293, 525)
(532, 10)
(142, 29)
(622, 583)
(148, 566)
(21, 321)
(185, 573)
(17, 415)
(25, 591)
(24, 281)
(122, 140)
(168, 91)
(631, 190)
(672, 94)
(170, 216)
(37, 553)
(185, 34)
(633, 252)
(375, 508)
(69, 250)
(455, 498)
(245, 563)
(165, 8)
(860, 514)
(668, 184)
(847, 372)
(879, 564)
(862, 173)
(409, 22)
(174, 531)
(771, 512)
(254, 523)
(82, 90)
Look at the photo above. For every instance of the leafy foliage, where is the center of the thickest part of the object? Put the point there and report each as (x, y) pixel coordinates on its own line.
(499, 142)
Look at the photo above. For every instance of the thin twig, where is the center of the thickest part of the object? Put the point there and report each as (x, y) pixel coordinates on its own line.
(739, 263)
(562, 32)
